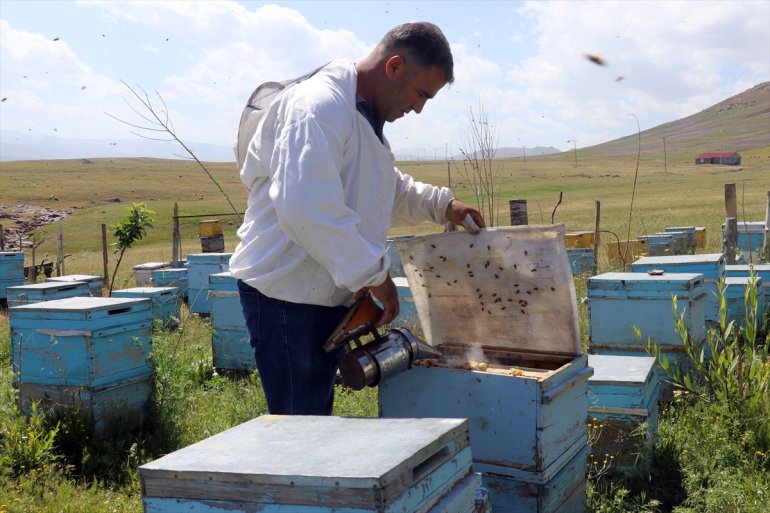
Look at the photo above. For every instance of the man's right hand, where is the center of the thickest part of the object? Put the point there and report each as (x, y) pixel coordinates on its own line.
(387, 294)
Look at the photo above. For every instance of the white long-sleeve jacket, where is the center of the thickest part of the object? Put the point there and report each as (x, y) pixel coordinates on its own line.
(323, 191)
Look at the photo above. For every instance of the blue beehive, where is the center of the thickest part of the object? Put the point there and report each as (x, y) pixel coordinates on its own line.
(751, 240)
(94, 282)
(164, 300)
(319, 465)
(407, 315)
(230, 345)
(48, 291)
(689, 232)
(710, 265)
(81, 341)
(622, 397)
(679, 241)
(11, 270)
(143, 272)
(658, 244)
(619, 301)
(199, 267)
(479, 299)
(171, 277)
(735, 291)
(581, 260)
(760, 270)
(562, 493)
(396, 267)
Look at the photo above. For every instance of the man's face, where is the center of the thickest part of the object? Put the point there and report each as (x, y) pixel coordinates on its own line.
(410, 87)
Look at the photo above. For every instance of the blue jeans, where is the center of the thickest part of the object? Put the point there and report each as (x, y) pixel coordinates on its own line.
(297, 374)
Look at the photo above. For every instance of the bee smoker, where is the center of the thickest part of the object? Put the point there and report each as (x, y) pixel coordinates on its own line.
(366, 364)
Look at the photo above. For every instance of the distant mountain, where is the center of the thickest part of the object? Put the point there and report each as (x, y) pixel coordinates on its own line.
(26, 146)
(740, 122)
(509, 152)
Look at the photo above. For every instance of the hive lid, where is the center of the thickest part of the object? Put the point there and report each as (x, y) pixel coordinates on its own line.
(709, 259)
(620, 369)
(506, 288)
(643, 285)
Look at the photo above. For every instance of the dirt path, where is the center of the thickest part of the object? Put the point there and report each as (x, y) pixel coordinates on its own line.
(19, 221)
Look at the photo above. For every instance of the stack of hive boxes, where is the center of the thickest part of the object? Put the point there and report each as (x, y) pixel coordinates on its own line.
(230, 346)
(500, 306)
(164, 302)
(761, 271)
(580, 250)
(171, 277)
(751, 240)
(277, 464)
(11, 271)
(199, 267)
(86, 356)
(143, 272)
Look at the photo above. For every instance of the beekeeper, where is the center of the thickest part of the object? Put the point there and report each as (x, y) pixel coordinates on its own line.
(323, 191)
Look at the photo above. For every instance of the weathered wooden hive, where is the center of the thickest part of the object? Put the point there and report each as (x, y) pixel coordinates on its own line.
(751, 239)
(143, 272)
(735, 291)
(622, 253)
(198, 269)
(94, 282)
(501, 307)
(171, 277)
(87, 355)
(230, 344)
(679, 241)
(582, 239)
(48, 291)
(710, 265)
(11, 270)
(277, 464)
(690, 236)
(623, 399)
(760, 270)
(581, 260)
(164, 302)
(619, 301)
(658, 244)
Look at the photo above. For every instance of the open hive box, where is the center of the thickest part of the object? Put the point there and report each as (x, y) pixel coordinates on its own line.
(501, 307)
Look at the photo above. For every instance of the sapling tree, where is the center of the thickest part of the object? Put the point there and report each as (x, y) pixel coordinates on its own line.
(131, 229)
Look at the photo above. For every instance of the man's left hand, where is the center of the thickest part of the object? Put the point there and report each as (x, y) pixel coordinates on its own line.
(457, 210)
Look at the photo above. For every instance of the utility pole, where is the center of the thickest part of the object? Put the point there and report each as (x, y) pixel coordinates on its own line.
(574, 145)
(665, 160)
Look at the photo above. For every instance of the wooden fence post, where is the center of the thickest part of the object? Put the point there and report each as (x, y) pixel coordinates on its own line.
(2, 238)
(60, 252)
(105, 258)
(731, 208)
(596, 236)
(175, 238)
(730, 236)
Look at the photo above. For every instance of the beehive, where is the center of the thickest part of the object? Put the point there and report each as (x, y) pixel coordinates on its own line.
(760, 270)
(277, 464)
(579, 239)
(700, 237)
(581, 260)
(164, 302)
(511, 365)
(25, 294)
(679, 241)
(94, 282)
(230, 345)
(624, 252)
(396, 267)
(751, 239)
(735, 291)
(407, 315)
(11, 270)
(622, 397)
(658, 244)
(619, 301)
(171, 277)
(143, 272)
(710, 265)
(690, 236)
(199, 267)
(81, 341)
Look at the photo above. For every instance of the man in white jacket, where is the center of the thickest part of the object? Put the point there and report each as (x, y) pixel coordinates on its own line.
(323, 191)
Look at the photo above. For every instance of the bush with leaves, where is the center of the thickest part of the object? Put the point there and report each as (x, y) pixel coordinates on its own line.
(131, 229)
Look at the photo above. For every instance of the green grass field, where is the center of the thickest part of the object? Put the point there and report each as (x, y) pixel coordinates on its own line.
(705, 460)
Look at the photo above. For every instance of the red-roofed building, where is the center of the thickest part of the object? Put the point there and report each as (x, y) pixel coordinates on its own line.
(728, 158)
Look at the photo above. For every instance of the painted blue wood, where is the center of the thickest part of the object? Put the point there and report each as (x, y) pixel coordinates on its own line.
(199, 267)
(564, 493)
(658, 244)
(760, 270)
(94, 282)
(621, 381)
(225, 303)
(396, 266)
(751, 239)
(81, 341)
(619, 301)
(314, 465)
(519, 425)
(143, 272)
(679, 240)
(710, 265)
(407, 315)
(689, 232)
(49, 291)
(11, 270)
(164, 302)
(171, 277)
(231, 350)
(581, 260)
(105, 409)
(735, 291)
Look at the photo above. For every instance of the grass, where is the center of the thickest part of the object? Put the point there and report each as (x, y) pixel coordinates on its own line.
(700, 464)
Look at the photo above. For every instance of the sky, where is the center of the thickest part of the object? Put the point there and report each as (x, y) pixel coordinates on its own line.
(66, 66)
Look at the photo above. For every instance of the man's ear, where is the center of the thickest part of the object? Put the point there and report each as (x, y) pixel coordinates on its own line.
(394, 66)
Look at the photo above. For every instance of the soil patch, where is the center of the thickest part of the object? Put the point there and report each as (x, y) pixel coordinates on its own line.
(19, 221)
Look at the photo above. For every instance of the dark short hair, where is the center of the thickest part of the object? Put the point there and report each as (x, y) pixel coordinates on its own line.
(422, 41)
